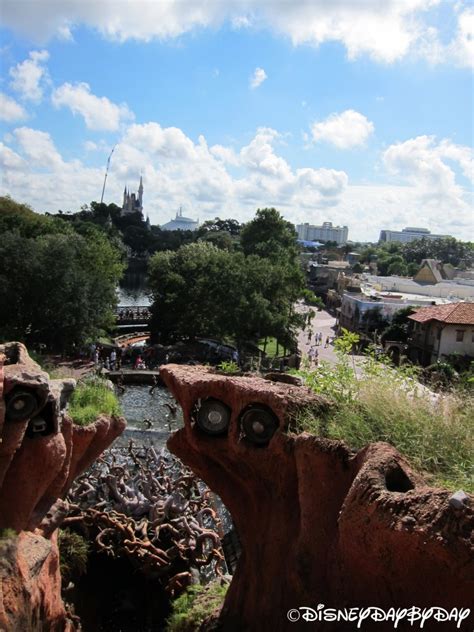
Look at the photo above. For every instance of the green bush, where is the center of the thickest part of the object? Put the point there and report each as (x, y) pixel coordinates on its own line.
(228, 367)
(310, 298)
(193, 607)
(91, 399)
(435, 432)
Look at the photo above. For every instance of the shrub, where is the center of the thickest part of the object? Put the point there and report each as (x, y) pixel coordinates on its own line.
(91, 399)
(193, 607)
(228, 367)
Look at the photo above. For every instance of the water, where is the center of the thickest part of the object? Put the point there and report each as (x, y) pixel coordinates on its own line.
(139, 405)
(132, 290)
(131, 297)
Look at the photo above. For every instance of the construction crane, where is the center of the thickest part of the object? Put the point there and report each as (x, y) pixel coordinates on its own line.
(106, 173)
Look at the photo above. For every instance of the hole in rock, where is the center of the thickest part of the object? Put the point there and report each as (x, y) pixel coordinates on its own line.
(397, 481)
(42, 424)
(114, 596)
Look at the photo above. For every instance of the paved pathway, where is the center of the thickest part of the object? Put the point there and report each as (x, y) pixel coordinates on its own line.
(322, 322)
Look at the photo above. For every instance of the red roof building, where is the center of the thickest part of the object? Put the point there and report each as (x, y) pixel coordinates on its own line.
(442, 332)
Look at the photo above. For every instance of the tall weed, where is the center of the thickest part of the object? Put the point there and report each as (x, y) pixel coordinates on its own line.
(382, 403)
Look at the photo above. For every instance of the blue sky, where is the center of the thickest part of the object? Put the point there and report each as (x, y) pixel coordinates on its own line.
(335, 112)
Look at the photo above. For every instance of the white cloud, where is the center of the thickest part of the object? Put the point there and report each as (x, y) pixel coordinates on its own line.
(10, 160)
(423, 163)
(257, 78)
(99, 113)
(10, 110)
(345, 130)
(38, 148)
(459, 51)
(176, 171)
(234, 181)
(386, 32)
(29, 76)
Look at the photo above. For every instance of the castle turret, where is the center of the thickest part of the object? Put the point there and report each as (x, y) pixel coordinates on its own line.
(140, 193)
(133, 203)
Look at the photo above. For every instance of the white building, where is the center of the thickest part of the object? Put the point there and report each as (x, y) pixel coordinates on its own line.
(181, 223)
(442, 331)
(326, 232)
(407, 234)
(457, 289)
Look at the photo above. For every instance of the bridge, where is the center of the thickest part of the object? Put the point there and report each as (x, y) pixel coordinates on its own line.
(132, 317)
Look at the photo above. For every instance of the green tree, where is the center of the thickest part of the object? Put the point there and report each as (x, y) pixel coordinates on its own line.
(57, 287)
(201, 290)
(269, 235)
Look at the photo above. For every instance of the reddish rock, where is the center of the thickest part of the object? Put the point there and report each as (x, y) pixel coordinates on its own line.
(31, 586)
(39, 458)
(318, 523)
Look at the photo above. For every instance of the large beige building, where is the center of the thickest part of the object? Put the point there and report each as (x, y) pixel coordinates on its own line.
(326, 232)
(407, 234)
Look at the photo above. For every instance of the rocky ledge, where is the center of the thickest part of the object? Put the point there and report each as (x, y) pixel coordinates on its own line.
(41, 453)
(318, 523)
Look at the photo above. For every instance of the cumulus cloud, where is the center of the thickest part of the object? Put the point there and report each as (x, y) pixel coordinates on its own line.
(345, 130)
(423, 162)
(177, 170)
(459, 51)
(29, 76)
(234, 181)
(385, 32)
(38, 148)
(10, 110)
(99, 113)
(257, 78)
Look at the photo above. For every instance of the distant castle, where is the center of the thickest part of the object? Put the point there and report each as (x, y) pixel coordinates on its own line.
(132, 203)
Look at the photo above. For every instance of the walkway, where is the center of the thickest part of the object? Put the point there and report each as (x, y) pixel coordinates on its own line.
(322, 322)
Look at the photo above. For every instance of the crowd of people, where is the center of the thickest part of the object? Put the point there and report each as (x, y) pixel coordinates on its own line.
(313, 353)
(133, 314)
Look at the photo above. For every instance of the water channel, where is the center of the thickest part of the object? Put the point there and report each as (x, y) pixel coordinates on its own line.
(151, 417)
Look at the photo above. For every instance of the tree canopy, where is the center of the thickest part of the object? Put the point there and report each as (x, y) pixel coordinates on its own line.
(203, 290)
(270, 236)
(57, 284)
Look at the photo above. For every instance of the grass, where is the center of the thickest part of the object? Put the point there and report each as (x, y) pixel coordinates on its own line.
(436, 434)
(194, 606)
(91, 399)
(271, 348)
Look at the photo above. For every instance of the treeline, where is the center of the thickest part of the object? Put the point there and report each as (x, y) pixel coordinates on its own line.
(59, 273)
(404, 259)
(142, 239)
(57, 279)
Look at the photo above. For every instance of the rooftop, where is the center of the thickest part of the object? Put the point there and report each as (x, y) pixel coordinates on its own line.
(456, 314)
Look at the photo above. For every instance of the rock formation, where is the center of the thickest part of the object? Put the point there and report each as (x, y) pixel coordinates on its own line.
(318, 523)
(41, 452)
